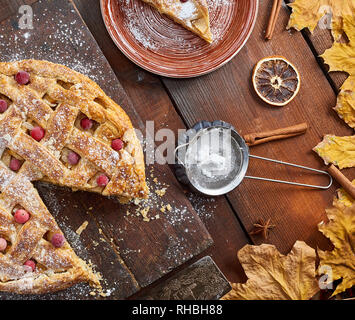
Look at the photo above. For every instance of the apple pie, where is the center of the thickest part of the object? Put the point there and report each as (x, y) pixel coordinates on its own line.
(191, 14)
(56, 125)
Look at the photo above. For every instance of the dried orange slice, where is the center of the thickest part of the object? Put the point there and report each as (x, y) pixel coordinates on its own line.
(276, 80)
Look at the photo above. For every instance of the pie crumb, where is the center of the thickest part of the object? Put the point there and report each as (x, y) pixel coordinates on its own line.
(82, 228)
(161, 192)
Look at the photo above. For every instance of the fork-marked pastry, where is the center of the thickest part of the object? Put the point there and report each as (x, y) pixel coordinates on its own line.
(191, 14)
(58, 126)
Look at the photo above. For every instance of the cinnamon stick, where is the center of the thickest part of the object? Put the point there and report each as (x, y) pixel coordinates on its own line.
(342, 180)
(276, 7)
(254, 139)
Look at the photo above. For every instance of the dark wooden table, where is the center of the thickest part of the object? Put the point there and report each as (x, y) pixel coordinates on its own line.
(227, 94)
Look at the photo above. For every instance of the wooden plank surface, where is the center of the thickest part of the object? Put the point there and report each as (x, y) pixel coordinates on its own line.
(152, 102)
(295, 211)
(227, 94)
(129, 252)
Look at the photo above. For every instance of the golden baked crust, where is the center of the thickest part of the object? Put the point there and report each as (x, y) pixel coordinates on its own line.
(57, 268)
(192, 15)
(56, 98)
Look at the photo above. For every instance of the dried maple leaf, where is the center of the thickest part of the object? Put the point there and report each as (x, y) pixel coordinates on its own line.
(307, 14)
(344, 198)
(339, 151)
(273, 276)
(340, 262)
(340, 57)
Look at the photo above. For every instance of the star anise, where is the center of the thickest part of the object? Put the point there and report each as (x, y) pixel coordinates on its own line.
(261, 227)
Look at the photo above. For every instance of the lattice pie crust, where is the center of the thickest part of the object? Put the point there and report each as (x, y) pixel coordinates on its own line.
(56, 99)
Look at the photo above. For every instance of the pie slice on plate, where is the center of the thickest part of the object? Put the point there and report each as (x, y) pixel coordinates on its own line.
(191, 14)
(56, 125)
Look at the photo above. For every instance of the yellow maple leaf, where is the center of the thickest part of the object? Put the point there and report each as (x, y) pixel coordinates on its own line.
(340, 262)
(340, 57)
(339, 151)
(307, 14)
(344, 198)
(273, 276)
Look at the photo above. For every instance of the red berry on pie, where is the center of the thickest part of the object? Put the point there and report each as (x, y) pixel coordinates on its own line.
(21, 216)
(117, 144)
(58, 240)
(3, 244)
(37, 133)
(22, 77)
(31, 264)
(15, 164)
(3, 106)
(73, 158)
(102, 180)
(86, 123)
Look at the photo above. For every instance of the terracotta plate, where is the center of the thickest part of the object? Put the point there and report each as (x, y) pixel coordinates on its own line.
(157, 44)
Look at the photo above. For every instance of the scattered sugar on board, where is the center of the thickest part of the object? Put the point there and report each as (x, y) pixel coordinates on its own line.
(50, 197)
(204, 206)
(63, 38)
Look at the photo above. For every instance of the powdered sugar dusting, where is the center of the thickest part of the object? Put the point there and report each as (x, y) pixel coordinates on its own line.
(186, 10)
(59, 37)
(154, 31)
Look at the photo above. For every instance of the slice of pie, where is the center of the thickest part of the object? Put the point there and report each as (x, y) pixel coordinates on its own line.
(58, 126)
(191, 14)
(34, 256)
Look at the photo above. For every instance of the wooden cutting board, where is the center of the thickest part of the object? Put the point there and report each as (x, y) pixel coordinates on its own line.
(129, 252)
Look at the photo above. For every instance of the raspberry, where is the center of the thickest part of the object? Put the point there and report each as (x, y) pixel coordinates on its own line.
(102, 180)
(37, 133)
(117, 144)
(3, 106)
(86, 123)
(73, 157)
(21, 216)
(15, 164)
(3, 244)
(31, 264)
(58, 240)
(22, 77)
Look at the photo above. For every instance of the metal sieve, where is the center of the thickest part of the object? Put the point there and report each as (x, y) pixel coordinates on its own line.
(191, 152)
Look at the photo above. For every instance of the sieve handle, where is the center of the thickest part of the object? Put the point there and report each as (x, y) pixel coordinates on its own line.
(176, 152)
(290, 182)
(186, 144)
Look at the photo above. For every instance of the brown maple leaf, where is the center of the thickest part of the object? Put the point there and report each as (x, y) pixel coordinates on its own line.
(273, 276)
